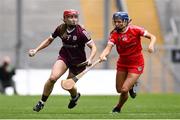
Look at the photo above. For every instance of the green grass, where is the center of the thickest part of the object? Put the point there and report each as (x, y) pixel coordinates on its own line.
(145, 106)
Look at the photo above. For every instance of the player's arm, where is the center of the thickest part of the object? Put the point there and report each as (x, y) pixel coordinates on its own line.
(42, 45)
(152, 41)
(106, 52)
(93, 48)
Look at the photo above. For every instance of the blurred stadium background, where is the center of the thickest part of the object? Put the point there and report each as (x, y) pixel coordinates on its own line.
(25, 23)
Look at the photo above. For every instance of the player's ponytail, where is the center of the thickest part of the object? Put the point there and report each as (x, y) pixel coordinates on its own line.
(63, 28)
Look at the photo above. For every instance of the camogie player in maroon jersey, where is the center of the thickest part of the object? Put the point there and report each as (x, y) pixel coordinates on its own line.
(74, 39)
(130, 64)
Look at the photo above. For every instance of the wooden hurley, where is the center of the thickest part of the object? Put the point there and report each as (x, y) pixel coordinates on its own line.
(82, 64)
(69, 83)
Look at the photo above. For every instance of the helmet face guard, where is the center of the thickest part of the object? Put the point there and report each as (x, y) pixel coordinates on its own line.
(122, 18)
(71, 17)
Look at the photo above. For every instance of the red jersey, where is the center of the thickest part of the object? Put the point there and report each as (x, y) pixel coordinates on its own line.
(128, 43)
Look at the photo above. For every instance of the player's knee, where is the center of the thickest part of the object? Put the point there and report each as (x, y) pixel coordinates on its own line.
(124, 90)
(53, 79)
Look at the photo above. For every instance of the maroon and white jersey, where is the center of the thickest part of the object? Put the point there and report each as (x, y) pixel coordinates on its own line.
(74, 41)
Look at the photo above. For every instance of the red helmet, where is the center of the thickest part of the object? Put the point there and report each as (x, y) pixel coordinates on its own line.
(70, 12)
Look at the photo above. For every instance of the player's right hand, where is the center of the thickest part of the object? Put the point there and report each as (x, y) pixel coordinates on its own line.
(102, 58)
(32, 52)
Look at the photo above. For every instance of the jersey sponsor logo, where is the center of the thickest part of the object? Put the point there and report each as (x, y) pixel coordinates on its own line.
(87, 34)
(74, 37)
(132, 44)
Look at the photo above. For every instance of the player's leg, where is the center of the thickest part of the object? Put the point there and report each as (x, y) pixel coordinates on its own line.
(138, 70)
(74, 94)
(120, 79)
(14, 87)
(1, 87)
(58, 70)
(131, 79)
(73, 71)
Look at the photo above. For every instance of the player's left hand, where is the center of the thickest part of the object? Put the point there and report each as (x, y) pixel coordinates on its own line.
(89, 62)
(151, 48)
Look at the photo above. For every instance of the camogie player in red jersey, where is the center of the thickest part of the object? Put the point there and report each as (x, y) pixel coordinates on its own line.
(130, 64)
(72, 53)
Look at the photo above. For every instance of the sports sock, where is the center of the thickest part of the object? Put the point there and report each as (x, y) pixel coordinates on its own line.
(44, 98)
(73, 96)
(42, 102)
(119, 105)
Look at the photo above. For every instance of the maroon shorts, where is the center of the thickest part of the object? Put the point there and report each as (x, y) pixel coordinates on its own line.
(131, 64)
(72, 67)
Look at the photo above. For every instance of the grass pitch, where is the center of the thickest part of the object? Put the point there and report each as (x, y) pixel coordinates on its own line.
(145, 106)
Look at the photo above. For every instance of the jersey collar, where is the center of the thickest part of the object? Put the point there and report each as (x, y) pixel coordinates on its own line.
(126, 29)
(70, 31)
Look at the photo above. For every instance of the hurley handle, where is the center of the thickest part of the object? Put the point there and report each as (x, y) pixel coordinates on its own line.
(77, 77)
(82, 64)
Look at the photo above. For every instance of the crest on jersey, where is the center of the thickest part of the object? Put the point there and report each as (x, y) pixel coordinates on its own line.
(140, 68)
(124, 38)
(74, 37)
